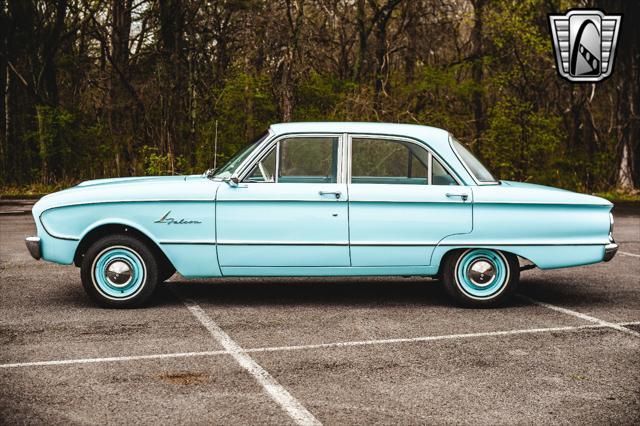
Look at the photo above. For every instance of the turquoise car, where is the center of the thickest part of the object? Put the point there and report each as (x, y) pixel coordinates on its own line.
(323, 199)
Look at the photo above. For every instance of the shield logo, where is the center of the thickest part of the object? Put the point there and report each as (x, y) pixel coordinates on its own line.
(585, 44)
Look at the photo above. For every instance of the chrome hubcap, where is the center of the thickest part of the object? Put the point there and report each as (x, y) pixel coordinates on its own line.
(118, 273)
(481, 273)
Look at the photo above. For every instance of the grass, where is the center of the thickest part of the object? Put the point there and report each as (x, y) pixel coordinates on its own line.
(617, 196)
(34, 190)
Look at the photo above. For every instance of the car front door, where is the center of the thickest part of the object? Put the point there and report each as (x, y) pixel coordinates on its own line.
(290, 211)
(402, 201)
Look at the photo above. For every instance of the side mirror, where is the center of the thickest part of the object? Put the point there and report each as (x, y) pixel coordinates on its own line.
(233, 181)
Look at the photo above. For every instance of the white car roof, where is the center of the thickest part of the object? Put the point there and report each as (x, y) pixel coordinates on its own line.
(436, 138)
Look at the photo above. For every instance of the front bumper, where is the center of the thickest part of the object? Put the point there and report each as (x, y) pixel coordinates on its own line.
(610, 250)
(33, 244)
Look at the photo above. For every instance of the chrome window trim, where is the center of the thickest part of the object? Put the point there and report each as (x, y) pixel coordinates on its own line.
(346, 147)
(241, 167)
(276, 172)
(419, 144)
(265, 150)
(464, 164)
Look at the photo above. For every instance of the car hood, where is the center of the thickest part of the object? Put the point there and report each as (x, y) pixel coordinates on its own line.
(134, 189)
(530, 193)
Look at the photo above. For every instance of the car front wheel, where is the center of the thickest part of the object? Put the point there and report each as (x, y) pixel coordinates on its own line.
(481, 277)
(119, 271)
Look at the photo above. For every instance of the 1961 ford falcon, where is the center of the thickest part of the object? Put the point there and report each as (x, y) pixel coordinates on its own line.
(312, 199)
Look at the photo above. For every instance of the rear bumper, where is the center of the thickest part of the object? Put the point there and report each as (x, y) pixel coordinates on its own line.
(610, 250)
(33, 244)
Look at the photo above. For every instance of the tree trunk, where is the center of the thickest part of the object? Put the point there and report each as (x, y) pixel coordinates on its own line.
(381, 64)
(4, 32)
(477, 71)
(363, 35)
(286, 69)
(380, 23)
(626, 75)
(172, 76)
(49, 80)
(410, 56)
(629, 71)
(120, 30)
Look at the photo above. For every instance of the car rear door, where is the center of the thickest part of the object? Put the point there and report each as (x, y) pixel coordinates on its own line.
(402, 201)
(289, 212)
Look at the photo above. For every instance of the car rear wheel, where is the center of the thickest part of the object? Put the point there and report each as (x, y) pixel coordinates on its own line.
(481, 277)
(119, 271)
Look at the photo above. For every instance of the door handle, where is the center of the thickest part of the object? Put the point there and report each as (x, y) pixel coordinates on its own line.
(337, 194)
(463, 196)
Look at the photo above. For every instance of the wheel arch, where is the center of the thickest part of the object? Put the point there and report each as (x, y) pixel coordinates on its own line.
(116, 228)
(451, 251)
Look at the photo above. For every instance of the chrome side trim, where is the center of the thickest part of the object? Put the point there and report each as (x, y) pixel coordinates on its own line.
(382, 244)
(494, 244)
(279, 243)
(168, 200)
(321, 200)
(541, 203)
(33, 245)
(195, 243)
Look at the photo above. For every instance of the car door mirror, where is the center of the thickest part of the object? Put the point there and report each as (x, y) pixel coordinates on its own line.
(232, 181)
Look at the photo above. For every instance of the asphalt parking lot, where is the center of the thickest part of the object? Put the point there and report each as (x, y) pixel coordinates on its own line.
(332, 351)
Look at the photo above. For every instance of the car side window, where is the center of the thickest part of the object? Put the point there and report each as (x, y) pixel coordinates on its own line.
(440, 176)
(264, 170)
(390, 161)
(308, 160)
(299, 160)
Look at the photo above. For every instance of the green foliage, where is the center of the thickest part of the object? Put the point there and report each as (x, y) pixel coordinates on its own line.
(181, 111)
(521, 143)
(156, 164)
(66, 146)
(243, 109)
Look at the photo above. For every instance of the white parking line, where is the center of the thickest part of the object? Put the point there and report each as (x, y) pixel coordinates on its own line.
(278, 393)
(629, 254)
(580, 315)
(303, 347)
(112, 359)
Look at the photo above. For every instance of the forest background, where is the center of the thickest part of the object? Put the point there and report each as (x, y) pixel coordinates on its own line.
(105, 88)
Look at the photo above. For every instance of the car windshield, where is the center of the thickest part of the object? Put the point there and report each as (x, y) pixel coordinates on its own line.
(234, 162)
(479, 171)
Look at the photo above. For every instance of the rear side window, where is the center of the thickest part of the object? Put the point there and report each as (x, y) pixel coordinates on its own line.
(395, 162)
(440, 175)
(479, 171)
